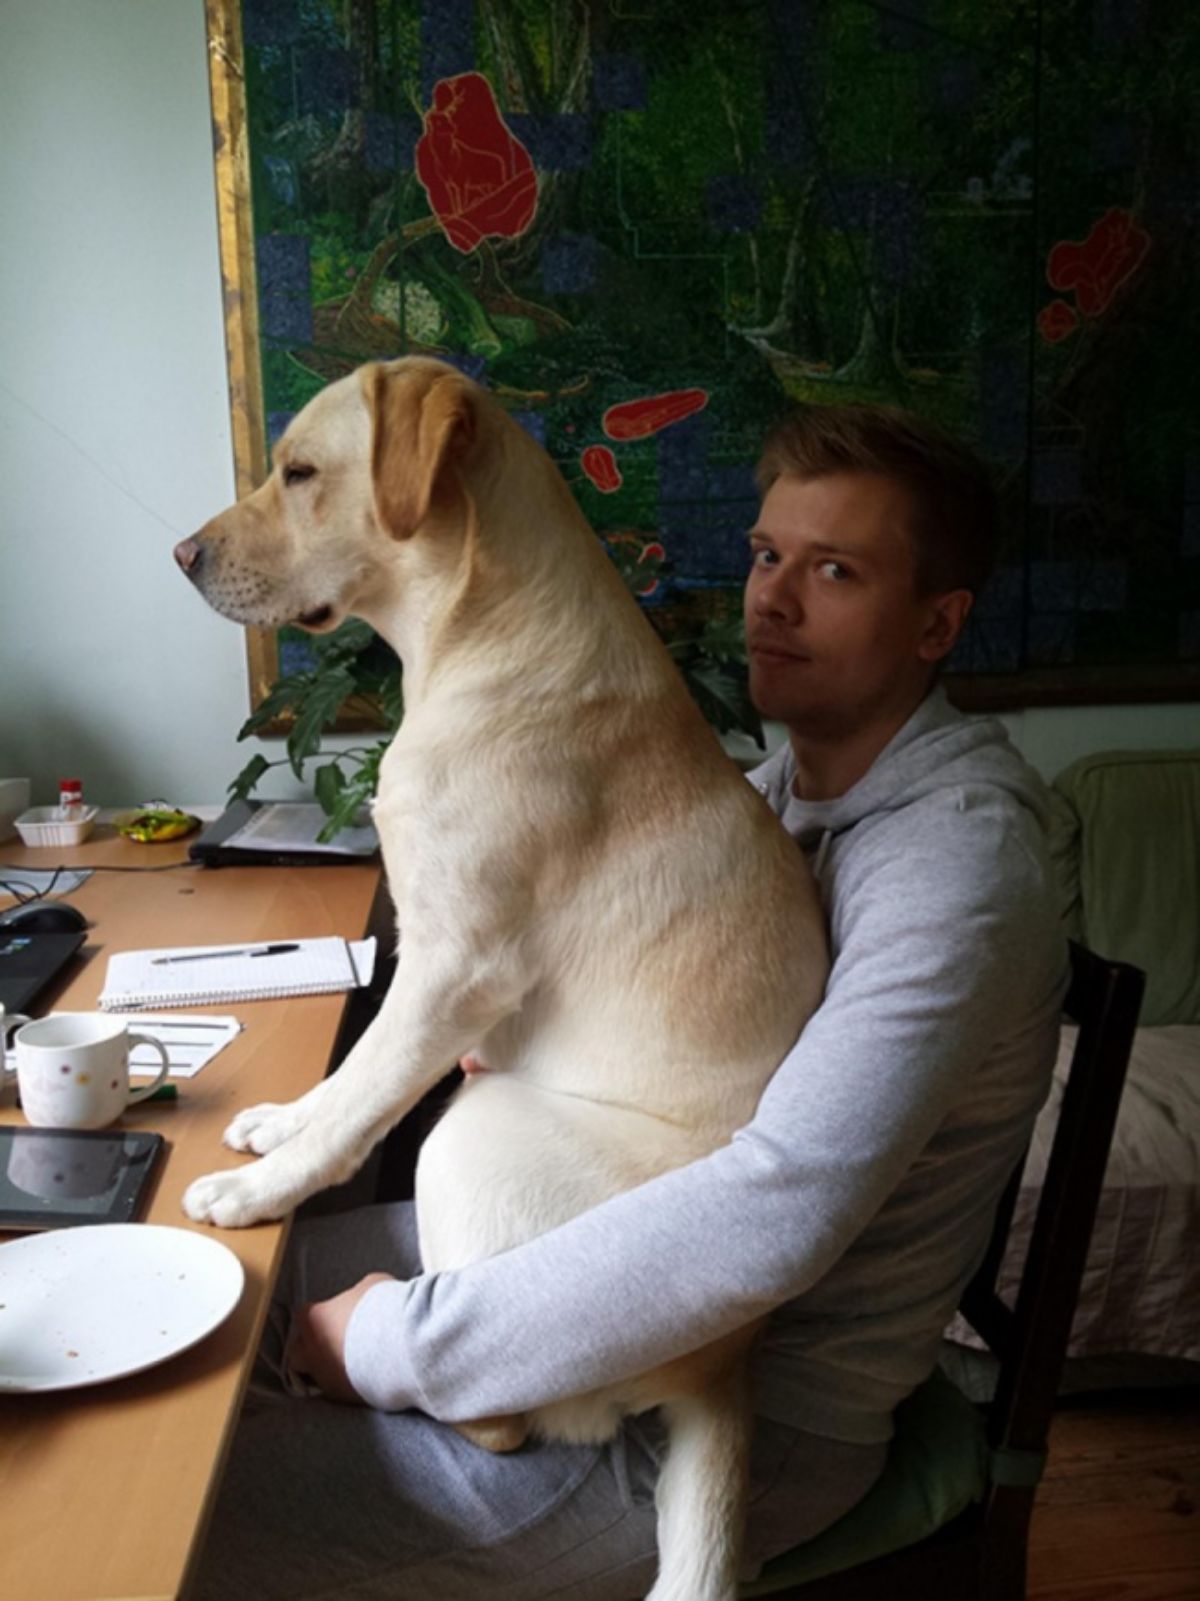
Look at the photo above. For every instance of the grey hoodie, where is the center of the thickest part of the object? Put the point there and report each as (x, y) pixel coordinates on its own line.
(857, 1203)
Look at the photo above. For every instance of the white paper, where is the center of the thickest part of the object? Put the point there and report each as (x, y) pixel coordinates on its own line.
(191, 1042)
(228, 974)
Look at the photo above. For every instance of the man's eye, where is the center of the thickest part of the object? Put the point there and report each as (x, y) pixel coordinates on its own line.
(762, 557)
(836, 571)
(293, 473)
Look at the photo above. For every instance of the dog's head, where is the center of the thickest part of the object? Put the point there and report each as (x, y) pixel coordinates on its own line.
(371, 461)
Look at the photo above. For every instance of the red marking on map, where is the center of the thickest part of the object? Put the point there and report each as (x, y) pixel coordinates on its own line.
(651, 552)
(1096, 268)
(478, 175)
(638, 419)
(1056, 322)
(599, 463)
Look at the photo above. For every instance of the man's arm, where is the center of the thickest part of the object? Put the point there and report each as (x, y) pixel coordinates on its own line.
(925, 981)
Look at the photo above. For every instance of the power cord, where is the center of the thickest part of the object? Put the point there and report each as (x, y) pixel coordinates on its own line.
(21, 890)
(16, 887)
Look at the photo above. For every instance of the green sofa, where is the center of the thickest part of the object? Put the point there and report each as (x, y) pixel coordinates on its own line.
(1126, 842)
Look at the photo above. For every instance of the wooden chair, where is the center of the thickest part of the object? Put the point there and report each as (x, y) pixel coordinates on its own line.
(950, 1516)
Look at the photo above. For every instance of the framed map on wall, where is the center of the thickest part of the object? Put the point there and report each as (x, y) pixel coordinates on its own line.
(648, 229)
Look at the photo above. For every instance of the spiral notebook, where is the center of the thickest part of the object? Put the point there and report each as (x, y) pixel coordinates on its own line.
(262, 970)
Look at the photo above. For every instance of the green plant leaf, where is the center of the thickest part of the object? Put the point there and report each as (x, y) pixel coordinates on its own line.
(317, 710)
(328, 784)
(391, 702)
(724, 638)
(347, 805)
(244, 783)
(285, 693)
(351, 639)
(724, 699)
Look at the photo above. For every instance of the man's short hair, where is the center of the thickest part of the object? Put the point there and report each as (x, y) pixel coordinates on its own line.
(954, 522)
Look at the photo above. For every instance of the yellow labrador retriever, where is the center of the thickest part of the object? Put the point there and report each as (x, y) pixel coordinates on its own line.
(591, 897)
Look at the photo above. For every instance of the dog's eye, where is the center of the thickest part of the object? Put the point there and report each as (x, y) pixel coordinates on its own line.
(294, 473)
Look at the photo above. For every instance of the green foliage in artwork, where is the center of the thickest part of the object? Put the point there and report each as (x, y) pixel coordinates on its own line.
(704, 118)
(335, 258)
(287, 381)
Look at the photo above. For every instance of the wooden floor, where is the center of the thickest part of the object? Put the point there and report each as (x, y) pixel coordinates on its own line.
(1118, 1512)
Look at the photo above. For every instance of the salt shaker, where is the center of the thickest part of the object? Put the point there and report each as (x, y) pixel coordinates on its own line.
(70, 800)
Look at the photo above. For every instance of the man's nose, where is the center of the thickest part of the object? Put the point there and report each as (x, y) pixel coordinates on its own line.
(776, 596)
(188, 554)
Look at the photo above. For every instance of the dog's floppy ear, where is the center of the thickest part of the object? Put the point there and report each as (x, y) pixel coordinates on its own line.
(419, 424)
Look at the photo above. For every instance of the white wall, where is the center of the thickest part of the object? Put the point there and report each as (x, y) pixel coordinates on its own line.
(114, 437)
(1053, 738)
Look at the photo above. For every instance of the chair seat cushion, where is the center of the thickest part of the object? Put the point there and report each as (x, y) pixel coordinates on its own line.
(936, 1467)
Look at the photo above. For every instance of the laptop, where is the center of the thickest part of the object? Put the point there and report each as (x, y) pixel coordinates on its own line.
(28, 963)
(278, 834)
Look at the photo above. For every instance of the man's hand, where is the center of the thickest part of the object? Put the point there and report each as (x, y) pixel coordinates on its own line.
(317, 1343)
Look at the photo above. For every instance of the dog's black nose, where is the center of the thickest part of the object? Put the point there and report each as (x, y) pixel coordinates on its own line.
(188, 554)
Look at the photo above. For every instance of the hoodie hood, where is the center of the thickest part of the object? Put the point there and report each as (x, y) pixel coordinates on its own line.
(937, 750)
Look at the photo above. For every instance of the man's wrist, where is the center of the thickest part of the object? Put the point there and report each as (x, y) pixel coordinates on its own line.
(376, 1352)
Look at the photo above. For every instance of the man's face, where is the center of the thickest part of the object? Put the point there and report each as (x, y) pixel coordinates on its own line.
(838, 636)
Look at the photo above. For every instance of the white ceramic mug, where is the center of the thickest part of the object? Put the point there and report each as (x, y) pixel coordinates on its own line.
(8, 1074)
(73, 1070)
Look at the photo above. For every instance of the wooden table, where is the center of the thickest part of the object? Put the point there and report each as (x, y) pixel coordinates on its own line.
(105, 1492)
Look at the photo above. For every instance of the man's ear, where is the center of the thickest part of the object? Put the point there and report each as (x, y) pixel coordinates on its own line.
(947, 615)
(418, 424)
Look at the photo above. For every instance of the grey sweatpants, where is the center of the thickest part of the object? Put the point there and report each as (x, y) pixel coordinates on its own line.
(330, 1501)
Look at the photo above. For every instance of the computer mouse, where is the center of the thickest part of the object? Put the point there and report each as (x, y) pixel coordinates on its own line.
(42, 917)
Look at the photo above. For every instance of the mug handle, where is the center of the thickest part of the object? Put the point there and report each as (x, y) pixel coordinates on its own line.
(9, 1020)
(144, 1090)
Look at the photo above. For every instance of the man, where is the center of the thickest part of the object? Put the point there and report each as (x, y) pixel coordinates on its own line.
(853, 1208)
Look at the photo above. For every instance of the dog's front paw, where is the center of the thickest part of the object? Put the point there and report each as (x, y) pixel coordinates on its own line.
(262, 1128)
(231, 1200)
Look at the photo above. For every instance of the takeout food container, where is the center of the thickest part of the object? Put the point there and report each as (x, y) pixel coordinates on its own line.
(39, 826)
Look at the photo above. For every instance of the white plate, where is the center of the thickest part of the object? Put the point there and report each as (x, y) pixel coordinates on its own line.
(81, 1305)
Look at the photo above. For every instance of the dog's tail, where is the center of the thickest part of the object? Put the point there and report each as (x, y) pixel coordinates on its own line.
(701, 1496)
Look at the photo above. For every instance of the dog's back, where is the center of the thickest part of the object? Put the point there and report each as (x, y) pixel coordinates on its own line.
(680, 964)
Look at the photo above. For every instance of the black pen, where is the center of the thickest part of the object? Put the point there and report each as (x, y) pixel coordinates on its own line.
(216, 956)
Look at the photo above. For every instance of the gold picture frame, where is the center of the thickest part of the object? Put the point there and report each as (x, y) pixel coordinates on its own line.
(231, 166)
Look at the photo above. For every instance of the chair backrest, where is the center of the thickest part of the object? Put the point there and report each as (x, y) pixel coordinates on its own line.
(1030, 1339)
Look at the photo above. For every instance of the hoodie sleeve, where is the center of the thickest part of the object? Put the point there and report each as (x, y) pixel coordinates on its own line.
(942, 951)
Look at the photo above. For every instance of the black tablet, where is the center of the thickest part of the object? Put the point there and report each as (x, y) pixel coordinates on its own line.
(51, 1178)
